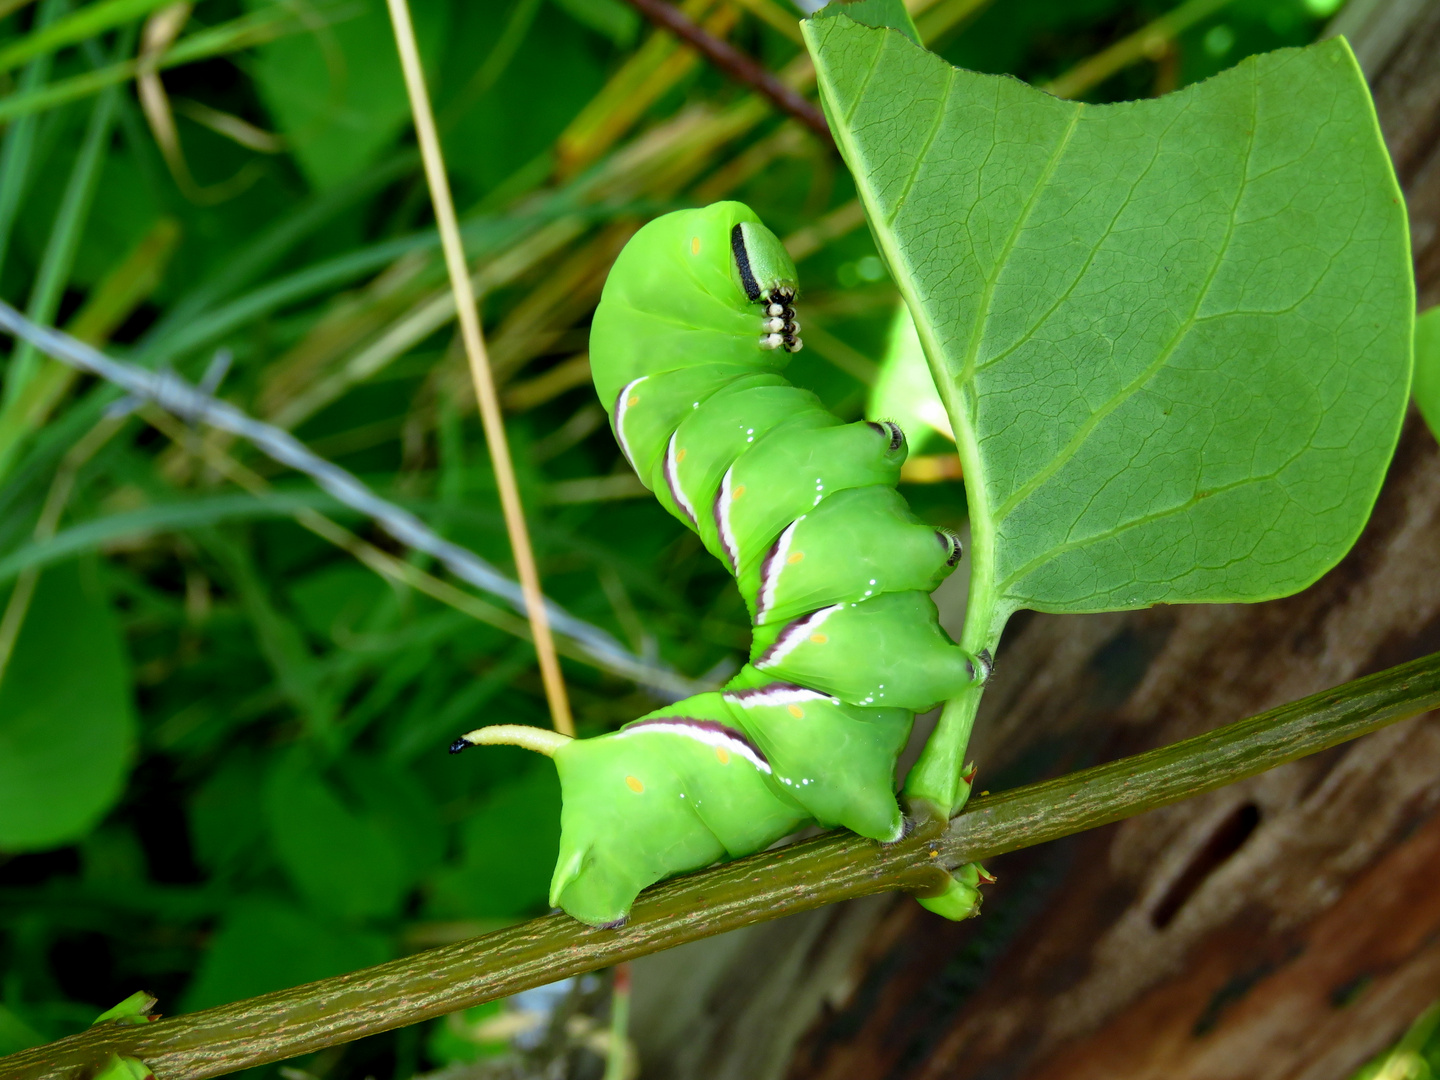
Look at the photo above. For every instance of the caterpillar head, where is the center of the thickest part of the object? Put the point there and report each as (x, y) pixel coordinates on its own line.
(768, 276)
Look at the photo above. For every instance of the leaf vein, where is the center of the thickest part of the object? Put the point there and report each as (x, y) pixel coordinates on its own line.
(1128, 391)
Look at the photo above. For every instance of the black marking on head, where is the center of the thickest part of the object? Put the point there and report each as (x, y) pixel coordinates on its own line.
(951, 543)
(613, 925)
(460, 744)
(742, 263)
(987, 664)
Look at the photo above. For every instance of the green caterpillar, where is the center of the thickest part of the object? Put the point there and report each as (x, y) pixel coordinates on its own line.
(692, 331)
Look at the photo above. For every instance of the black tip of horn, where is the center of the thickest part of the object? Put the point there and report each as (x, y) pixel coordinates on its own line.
(458, 745)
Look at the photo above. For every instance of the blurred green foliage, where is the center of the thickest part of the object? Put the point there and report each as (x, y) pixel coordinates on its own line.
(222, 737)
(1415, 1057)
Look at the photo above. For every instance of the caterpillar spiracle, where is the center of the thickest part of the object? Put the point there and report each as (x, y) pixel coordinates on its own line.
(693, 329)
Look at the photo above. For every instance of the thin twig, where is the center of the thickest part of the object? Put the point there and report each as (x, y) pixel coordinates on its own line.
(175, 395)
(490, 415)
(772, 884)
(734, 63)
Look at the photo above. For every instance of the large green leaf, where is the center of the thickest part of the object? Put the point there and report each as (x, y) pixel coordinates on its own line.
(1172, 335)
(67, 723)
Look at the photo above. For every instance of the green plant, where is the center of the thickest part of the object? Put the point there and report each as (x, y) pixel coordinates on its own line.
(273, 653)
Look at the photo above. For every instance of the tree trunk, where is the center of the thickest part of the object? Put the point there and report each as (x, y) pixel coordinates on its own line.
(1287, 926)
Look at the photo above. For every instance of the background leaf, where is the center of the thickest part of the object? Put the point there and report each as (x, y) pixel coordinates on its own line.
(905, 391)
(67, 723)
(1175, 332)
(338, 856)
(336, 93)
(266, 945)
(509, 844)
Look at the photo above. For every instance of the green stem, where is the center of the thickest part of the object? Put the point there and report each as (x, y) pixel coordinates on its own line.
(772, 884)
(617, 1059)
(936, 786)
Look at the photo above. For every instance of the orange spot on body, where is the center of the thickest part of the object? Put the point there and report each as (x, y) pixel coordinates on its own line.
(632, 400)
(737, 493)
(634, 784)
(694, 245)
(795, 557)
(680, 455)
(819, 639)
(722, 755)
(795, 711)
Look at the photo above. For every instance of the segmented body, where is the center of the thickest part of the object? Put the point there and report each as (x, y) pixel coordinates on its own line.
(691, 334)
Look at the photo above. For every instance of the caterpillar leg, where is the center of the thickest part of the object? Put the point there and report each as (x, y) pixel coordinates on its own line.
(961, 898)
